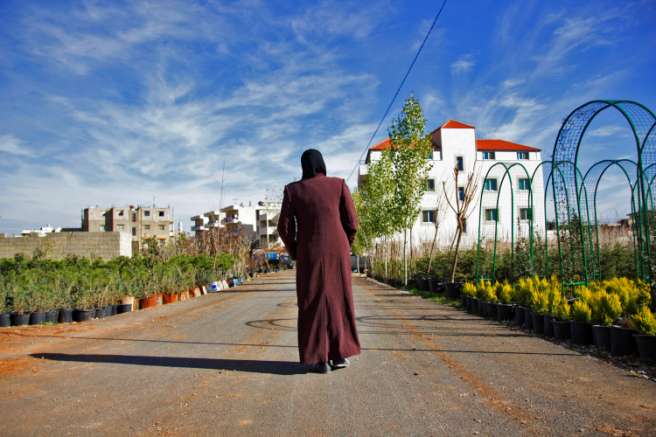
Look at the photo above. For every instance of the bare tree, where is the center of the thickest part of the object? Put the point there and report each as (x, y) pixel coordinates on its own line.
(461, 205)
(440, 209)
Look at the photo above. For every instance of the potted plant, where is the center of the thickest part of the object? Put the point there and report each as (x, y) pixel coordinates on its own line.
(538, 303)
(84, 303)
(505, 308)
(581, 329)
(561, 312)
(644, 322)
(5, 315)
(606, 308)
(469, 294)
(21, 298)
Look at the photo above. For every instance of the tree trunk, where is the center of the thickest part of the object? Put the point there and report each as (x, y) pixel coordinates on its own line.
(430, 254)
(405, 258)
(456, 251)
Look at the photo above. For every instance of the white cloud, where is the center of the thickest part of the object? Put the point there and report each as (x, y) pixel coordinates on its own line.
(14, 146)
(463, 64)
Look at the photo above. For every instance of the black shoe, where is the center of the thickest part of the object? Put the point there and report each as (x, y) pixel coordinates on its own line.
(320, 368)
(339, 364)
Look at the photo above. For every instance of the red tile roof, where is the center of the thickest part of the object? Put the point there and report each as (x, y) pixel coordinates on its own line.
(481, 144)
(454, 124)
(383, 145)
(503, 146)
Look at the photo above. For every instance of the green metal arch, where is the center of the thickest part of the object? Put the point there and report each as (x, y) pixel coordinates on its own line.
(641, 121)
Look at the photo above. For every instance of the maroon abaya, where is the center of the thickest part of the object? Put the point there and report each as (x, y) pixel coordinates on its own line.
(317, 224)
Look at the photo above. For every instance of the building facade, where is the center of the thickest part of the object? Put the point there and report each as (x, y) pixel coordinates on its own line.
(267, 215)
(256, 223)
(141, 223)
(454, 145)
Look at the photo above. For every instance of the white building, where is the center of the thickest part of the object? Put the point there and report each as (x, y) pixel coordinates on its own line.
(268, 214)
(455, 145)
(207, 221)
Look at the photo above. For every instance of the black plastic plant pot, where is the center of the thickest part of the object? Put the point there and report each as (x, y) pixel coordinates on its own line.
(646, 348)
(20, 319)
(474, 305)
(452, 289)
(432, 284)
(561, 329)
(5, 320)
(581, 332)
(108, 311)
(123, 308)
(538, 323)
(100, 313)
(113, 310)
(65, 315)
(548, 326)
(491, 310)
(37, 318)
(83, 315)
(528, 319)
(601, 337)
(505, 312)
(421, 282)
(482, 308)
(622, 341)
(52, 316)
(518, 320)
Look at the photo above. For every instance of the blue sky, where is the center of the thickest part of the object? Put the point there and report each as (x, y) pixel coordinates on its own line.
(114, 103)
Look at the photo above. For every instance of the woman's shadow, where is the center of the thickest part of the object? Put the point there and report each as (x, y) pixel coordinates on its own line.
(254, 366)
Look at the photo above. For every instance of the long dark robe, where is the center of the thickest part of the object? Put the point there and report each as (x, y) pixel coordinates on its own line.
(317, 224)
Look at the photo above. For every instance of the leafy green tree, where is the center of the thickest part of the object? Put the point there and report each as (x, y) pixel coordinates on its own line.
(409, 152)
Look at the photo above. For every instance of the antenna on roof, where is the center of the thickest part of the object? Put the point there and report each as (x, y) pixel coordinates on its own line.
(221, 192)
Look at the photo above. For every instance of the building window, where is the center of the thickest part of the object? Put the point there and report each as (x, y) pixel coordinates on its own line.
(134, 216)
(522, 155)
(161, 227)
(161, 213)
(524, 184)
(430, 184)
(461, 193)
(490, 185)
(460, 164)
(147, 213)
(147, 227)
(489, 155)
(428, 216)
(525, 213)
(134, 232)
(120, 213)
(491, 214)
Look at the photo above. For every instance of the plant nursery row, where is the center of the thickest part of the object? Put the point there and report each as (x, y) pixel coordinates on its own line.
(76, 289)
(614, 315)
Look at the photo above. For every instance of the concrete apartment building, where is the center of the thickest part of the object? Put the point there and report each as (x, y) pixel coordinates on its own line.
(267, 215)
(256, 223)
(140, 222)
(454, 144)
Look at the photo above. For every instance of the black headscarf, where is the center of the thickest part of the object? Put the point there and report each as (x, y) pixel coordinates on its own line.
(312, 163)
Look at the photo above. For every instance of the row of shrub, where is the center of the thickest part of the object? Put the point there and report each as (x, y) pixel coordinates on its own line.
(40, 285)
(607, 302)
(615, 260)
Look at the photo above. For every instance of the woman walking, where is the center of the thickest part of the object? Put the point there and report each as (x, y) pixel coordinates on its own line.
(318, 224)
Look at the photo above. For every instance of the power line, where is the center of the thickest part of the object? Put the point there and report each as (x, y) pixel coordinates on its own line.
(398, 90)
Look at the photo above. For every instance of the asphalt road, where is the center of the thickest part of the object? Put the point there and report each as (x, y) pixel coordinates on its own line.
(226, 364)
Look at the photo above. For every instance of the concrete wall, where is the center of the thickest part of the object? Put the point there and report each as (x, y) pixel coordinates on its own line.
(58, 245)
